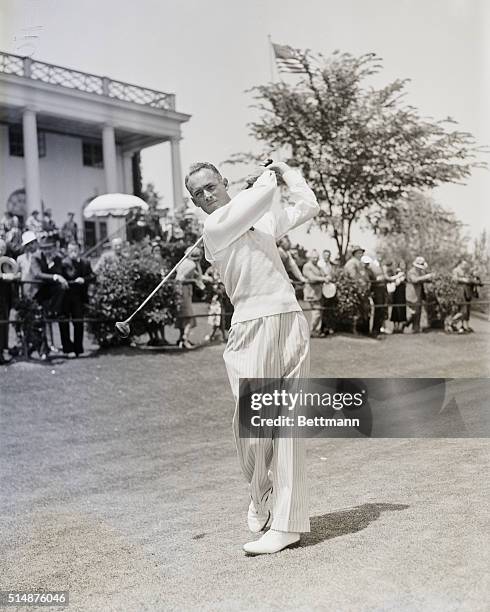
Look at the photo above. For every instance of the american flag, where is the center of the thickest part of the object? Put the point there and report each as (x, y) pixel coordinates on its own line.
(287, 59)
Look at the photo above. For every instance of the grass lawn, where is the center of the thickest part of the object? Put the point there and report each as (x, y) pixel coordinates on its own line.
(120, 483)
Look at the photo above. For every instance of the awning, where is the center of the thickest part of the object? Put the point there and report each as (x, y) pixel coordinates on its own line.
(115, 204)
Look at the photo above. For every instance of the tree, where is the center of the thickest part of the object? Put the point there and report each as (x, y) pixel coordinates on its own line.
(360, 147)
(151, 196)
(416, 225)
(481, 255)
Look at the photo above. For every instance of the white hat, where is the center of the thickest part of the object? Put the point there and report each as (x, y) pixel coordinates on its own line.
(420, 263)
(28, 237)
(366, 259)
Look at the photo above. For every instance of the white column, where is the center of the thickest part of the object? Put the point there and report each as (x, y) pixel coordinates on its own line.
(31, 160)
(109, 155)
(176, 173)
(128, 172)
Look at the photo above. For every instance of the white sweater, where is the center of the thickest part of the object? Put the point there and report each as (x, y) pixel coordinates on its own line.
(248, 260)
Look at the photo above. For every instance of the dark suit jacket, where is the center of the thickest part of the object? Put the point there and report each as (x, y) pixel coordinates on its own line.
(41, 271)
(73, 269)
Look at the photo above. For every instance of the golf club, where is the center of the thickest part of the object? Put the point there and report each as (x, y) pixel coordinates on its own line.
(123, 327)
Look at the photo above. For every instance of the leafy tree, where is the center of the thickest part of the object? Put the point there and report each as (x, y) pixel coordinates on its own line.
(151, 196)
(416, 225)
(360, 147)
(481, 255)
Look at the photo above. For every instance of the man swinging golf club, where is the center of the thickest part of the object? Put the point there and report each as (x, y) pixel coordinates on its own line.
(269, 336)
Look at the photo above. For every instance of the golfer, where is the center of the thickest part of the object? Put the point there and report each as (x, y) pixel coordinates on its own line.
(269, 335)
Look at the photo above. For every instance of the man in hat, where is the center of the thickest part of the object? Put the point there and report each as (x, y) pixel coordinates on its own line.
(417, 276)
(78, 272)
(269, 335)
(313, 291)
(46, 266)
(353, 267)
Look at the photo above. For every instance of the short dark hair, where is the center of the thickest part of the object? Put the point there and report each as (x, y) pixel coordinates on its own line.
(196, 167)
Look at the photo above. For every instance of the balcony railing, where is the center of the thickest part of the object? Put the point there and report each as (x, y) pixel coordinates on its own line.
(84, 81)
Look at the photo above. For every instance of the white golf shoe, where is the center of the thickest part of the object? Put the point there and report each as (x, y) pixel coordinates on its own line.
(272, 542)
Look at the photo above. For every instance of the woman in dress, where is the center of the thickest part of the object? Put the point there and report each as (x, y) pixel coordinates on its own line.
(188, 274)
(399, 308)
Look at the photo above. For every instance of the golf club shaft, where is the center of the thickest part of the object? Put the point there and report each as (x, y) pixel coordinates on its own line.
(164, 280)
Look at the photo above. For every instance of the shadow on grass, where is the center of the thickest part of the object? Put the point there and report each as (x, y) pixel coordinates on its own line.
(343, 522)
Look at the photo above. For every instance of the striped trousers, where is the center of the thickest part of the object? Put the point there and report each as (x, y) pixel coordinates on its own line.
(276, 346)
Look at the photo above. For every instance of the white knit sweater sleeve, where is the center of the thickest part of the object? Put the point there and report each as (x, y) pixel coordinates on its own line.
(305, 205)
(229, 222)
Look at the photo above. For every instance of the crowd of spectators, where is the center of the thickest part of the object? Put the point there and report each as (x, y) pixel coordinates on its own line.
(392, 291)
(53, 275)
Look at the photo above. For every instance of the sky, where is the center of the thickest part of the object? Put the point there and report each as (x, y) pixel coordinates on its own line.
(210, 52)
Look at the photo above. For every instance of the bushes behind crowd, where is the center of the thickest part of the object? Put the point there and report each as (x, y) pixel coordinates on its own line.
(124, 282)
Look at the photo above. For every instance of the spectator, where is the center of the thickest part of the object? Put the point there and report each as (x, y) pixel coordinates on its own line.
(462, 275)
(34, 224)
(353, 268)
(78, 272)
(6, 296)
(397, 279)
(153, 221)
(156, 330)
(313, 292)
(177, 233)
(24, 261)
(46, 266)
(417, 277)
(379, 296)
(220, 309)
(329, 270)
(13, 238)
(138, 229)
(50, 231)
(187, 275)
(165, 225)
(5, 223)
(113, 254)
(284, 248)
(69, 230)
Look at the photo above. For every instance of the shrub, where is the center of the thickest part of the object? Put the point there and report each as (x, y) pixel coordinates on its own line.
(123, 283)
(443, 295)
(351, 302)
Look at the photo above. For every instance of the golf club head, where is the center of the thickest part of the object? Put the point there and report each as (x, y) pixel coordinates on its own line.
(123, 329)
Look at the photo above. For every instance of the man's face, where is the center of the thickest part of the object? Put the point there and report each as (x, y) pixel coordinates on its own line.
(31, 247)
(358, 255)
(208, 191)
(314, 259)
(73, 251)
(285, 243)
(326, 256)
(117, 247)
